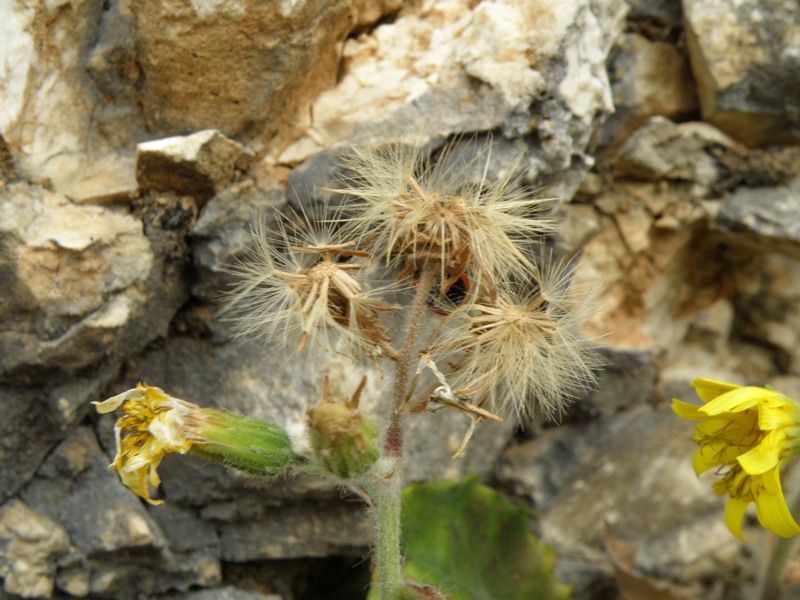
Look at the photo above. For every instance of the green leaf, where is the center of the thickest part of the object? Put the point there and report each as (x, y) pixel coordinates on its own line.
(465, 540)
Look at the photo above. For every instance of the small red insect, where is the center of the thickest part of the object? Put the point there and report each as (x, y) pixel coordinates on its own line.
(454, 297)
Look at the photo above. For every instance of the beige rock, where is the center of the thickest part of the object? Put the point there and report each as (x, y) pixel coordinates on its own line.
(30, 545)
(51, 114)
(84, 80)
(111, 179)
(70, 257)
(82, 283)
(649, 78)
(199, 164)
(245, 67)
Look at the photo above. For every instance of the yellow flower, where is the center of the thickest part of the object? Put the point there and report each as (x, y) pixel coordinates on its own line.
(155, 424)
(746, 433)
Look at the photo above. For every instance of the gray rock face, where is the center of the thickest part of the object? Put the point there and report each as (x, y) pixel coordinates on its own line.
(768, 216)
(660, 149)
(628, 380)
(104, 520)
(747, 67)
(585, 479)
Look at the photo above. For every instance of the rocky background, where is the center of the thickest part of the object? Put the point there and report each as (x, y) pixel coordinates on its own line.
(139, 137)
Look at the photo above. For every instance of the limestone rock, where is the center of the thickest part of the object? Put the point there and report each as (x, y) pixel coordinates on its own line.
(104, 519)
(455, 67)
(83, 284)
(222, 233)
(115, 73)
(30, 546)
(298, 531)
(746, 62)
(36, 418)
(99, 513)
(199, 164)
(769, 294)
(627, 380)
(57, 126)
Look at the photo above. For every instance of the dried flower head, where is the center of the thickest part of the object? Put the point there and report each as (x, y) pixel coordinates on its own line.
(523, 351)
(304, 284)
(419, 214)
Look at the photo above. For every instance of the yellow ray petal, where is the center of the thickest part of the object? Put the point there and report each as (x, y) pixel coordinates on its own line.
(773, 513)
(772, 416)
(708, 389)
(735, 401)
(734, 515)
(686, 411)
(765, 456)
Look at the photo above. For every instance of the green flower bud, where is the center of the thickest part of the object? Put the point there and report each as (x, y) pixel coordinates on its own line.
(343, 441)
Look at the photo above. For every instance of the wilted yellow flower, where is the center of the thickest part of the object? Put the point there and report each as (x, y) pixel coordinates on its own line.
(304, 285)
(417, 213)
(746, 433)
(155, 424)
(524, 350)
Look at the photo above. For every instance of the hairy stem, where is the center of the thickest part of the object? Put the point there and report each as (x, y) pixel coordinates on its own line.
(386, 489)
(393, 443)
(388, 559)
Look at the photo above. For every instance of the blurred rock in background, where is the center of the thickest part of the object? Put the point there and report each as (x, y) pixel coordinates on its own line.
(139, 139)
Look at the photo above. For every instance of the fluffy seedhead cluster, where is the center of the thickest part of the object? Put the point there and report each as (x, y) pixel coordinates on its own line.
(509, 331)
(302, 284)
(525, 350)
(449, 215)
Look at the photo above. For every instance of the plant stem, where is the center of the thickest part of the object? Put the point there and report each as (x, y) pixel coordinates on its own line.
(393, 442)
(388, 559)
(388, 487)
(770, 586)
